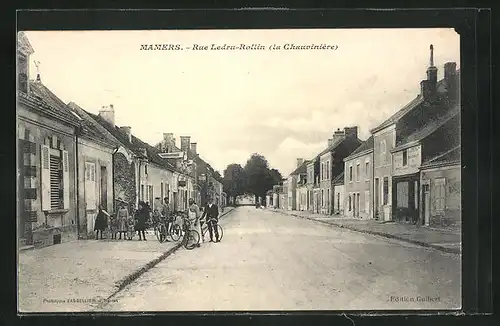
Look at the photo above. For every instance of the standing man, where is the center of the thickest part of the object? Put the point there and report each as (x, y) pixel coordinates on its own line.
(167, 215)
(211, 211)
(194, 217)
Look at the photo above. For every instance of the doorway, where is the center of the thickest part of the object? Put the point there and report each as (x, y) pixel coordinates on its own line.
(104, 187)
(426, 204)
(357, 204)
(377, 197)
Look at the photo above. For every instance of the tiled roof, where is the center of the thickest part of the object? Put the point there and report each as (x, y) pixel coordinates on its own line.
(441, 85)
(301, 169)
(451, 156)
(136, 145)
(46, 100)
(90, 126)
(431, 126)
(399, 114)
(366, 145)
(334, 145)
(339, 179)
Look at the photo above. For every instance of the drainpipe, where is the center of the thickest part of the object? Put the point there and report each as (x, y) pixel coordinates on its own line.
(77, 186)
(113, 177)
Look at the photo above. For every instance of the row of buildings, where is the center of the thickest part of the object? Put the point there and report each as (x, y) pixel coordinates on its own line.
(408, 170)
(70, 161)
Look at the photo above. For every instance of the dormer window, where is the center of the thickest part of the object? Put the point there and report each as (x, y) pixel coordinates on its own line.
(22, 73)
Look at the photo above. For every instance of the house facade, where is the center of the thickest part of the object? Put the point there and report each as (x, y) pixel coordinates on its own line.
(358, 182)
(95, 151)
(440, 179)
(434, 97)
(311, 184)
(46, 160)
(331, 164)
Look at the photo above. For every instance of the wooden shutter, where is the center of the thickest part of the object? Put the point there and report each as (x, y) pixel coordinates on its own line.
(45, 176)
(90, 186)
(65, 173)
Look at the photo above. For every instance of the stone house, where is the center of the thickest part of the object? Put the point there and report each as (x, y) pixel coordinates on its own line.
(358, 182)
(440, 180)
(46, 159)
(95, 149)
(140, 174)
(313, 185)
(434, 97)
(331, 164)
(300, 176)
(437, 136)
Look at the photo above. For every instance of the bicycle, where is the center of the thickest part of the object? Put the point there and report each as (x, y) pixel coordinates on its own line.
(204, 229)
(162, 232)
(191, 237)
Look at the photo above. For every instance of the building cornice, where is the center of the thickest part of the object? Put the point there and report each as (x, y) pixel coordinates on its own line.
(405, 146)
(440, 165)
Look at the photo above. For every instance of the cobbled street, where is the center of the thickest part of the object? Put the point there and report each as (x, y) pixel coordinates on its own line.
(269, 261)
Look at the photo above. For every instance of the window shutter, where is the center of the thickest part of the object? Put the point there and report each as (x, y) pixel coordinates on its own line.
(65, 173)
(45, 177)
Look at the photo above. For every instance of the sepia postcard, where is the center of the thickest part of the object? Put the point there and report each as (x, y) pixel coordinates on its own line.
(238, 170)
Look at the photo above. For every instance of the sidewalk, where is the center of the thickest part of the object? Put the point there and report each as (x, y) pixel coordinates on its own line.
(86, 270)
(448, 241)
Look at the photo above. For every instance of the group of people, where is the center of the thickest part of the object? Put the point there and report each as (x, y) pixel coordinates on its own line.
(123, 223)
(126, 224)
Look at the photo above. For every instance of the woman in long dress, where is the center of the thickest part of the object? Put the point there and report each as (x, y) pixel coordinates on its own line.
(141, 217)
(122, 216)
(101, 221)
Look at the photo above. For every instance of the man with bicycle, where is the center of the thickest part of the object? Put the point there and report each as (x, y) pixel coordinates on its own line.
(194, 216)
(211, 212)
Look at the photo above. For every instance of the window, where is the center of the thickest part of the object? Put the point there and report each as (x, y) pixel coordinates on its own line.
(350, 173)
(55, 178)
(161, 193)
(90, 186)
(357, 172)
(386, 190)
(146, 169)
(382, 151)
(322, 198)
(402, 194)
(350, 203)
(328, 170)
(367, 170)
(439, 195)
(142, 192)
(405, 157)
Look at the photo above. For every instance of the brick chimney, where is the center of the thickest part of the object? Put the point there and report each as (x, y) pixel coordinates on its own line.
(193, 148)
(428, 87)
(108, 114)
(128, 131)
(351, 132)
(337, 134)
(450, 77)
(330, 142)
(300, 161)
(185, 141)
(168, 142)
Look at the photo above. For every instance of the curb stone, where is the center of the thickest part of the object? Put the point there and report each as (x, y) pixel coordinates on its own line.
(456, 251)
(121, 284)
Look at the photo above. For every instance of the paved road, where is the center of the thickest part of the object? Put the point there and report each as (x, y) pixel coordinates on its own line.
(269, 261)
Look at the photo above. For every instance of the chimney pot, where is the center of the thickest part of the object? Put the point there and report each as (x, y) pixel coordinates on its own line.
(351, 132)
(193, 148)
(128, 131)
(108, 114)
(300, 161)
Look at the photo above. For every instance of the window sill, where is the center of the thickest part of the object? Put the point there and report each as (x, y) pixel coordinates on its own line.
(56, 211)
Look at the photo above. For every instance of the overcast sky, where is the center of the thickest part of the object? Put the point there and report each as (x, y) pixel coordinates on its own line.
(281, 104)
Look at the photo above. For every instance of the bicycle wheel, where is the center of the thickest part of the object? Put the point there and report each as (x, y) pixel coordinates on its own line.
(192, 239)
(221, 231)
(158, 233)
(175, 232)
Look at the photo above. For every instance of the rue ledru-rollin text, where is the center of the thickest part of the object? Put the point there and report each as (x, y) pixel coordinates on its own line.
(237, 47)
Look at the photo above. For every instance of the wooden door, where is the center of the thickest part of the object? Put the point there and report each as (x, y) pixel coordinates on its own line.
(104, 188)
